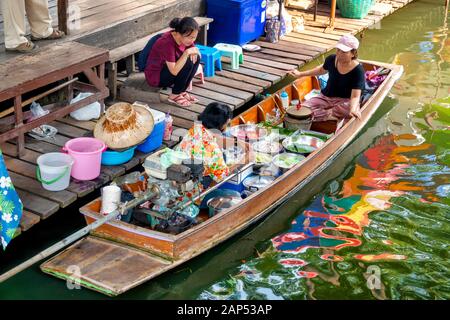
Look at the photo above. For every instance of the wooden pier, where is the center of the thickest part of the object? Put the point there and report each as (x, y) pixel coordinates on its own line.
(259, 72)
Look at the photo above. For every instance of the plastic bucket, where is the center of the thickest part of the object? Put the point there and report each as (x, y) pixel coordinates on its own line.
(53, 170)
(87, 153)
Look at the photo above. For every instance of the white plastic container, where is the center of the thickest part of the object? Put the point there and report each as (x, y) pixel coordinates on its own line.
(110, 199)
(284, 100)
(53, 170)
(153, 166)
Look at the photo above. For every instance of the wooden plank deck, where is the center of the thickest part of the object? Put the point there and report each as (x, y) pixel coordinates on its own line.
(39, 204)
(260, 70)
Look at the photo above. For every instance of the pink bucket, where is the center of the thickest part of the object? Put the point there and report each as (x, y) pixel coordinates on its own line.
(87, 153)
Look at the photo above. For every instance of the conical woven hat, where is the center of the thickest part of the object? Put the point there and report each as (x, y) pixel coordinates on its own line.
(124, 125)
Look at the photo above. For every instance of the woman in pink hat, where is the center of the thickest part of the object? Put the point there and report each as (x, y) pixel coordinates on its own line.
(341, 97)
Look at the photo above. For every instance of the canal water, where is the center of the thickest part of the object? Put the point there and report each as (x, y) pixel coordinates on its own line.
(377, 227)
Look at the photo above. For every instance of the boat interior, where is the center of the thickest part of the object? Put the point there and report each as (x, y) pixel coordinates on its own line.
(260, 153)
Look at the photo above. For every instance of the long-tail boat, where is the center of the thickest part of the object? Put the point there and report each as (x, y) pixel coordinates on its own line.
(118, 256)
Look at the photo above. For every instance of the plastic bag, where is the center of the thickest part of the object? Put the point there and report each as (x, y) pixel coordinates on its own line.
(44, 131)
(37, 111)
(91, 111)
(272, 29)
(282, 27)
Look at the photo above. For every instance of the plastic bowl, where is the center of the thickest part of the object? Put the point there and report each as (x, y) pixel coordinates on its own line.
(113, 158)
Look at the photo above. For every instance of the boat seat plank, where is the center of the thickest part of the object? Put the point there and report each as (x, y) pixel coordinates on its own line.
(44, 208)
(64, 198)
(106, 266)
(28, 220)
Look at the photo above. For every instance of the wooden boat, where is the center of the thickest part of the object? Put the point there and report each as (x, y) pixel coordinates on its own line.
(118, 256)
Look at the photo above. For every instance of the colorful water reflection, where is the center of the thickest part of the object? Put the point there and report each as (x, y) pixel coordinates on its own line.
(387, 215)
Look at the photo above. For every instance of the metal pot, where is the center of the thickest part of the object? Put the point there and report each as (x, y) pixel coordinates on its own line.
(256, 182)
(221, 203)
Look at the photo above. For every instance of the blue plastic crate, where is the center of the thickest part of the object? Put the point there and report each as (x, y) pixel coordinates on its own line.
(236, 21)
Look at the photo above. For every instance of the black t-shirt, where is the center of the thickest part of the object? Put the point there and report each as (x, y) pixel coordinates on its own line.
(341, 85)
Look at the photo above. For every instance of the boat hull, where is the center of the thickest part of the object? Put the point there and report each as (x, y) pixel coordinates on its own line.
(177, 249)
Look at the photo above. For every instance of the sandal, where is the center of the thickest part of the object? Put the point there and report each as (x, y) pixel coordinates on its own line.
(56, 34)
(180, 100)
(24, 47)
(190, 97)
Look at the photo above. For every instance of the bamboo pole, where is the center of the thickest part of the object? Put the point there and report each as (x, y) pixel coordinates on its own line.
(152, 192)
(39, 96)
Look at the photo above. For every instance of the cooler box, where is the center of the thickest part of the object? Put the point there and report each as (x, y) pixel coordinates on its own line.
(239, 187)
(236, 21)
(154, 140)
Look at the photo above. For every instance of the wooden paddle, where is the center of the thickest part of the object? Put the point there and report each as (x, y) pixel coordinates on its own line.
(149, 194)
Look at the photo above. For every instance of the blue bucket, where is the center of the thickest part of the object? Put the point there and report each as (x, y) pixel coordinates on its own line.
(114, 158)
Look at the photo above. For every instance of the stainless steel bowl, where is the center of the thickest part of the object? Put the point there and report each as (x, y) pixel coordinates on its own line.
(302, 144)
(247, 132)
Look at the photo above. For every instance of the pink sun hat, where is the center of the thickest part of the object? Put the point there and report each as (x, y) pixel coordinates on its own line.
(347, 42)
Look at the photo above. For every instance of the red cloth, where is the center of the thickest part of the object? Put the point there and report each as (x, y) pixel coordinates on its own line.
(326, 108)
(164, 49)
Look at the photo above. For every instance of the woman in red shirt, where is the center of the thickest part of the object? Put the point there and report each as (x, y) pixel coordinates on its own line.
(174, 59)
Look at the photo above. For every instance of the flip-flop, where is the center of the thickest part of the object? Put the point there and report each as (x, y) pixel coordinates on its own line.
(56, 34)
(180, 100)
(190, 97)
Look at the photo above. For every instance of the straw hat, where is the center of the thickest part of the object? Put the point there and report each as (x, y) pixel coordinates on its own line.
(124, 125)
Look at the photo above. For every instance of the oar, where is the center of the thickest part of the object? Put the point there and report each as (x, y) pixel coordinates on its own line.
(151, 192)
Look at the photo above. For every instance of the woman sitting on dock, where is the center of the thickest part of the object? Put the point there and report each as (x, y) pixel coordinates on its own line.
(174, 59)
(341, 96)
(201, 144)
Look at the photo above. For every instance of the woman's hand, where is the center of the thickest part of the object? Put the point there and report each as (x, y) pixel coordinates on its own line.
(193, 53)
(355, 112)
(354, 103)
(295, 73)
